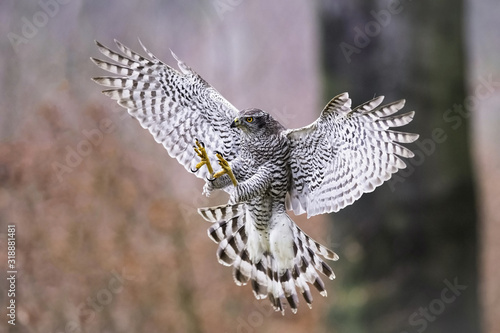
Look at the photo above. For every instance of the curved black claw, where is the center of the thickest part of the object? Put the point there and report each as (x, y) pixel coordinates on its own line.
(218, 152)
(210, 179)
(195, 170)
(202, 144)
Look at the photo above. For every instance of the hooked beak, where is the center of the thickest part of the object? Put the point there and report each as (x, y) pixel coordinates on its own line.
(235, 123)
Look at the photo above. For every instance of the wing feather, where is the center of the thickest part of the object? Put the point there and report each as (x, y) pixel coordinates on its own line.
(345, 153)
(176, 107)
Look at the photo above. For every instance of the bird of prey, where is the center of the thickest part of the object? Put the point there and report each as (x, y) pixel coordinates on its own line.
(267, 169)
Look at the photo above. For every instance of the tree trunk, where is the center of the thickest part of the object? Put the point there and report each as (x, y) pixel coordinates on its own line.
(484, 89)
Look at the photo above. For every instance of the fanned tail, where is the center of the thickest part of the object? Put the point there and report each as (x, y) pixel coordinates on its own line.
(277, 261)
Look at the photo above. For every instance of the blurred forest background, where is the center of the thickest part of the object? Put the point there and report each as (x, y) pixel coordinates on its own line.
(108, 238)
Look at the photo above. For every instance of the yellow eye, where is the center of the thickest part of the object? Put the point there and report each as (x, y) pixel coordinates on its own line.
(249, 119)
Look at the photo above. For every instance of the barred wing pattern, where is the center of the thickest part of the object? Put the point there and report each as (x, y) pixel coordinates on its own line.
(345, 153)
(176, 107)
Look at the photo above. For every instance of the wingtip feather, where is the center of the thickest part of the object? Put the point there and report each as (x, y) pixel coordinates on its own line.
(174, 55)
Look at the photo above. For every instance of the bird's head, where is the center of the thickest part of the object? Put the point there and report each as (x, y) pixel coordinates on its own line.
(255, 122)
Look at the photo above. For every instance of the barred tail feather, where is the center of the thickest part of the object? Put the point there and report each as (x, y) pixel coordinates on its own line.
(277, 261)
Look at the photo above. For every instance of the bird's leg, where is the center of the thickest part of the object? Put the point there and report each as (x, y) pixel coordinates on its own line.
(204, 160)
(226, 169)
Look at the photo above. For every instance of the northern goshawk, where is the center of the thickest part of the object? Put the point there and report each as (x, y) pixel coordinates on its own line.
(266, 168)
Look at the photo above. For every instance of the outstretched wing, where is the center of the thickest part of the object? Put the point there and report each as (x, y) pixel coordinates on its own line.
(176, 107)
(345, 153)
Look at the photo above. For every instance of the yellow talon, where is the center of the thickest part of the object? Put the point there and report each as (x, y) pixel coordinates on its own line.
(226, 169)
(202, 154)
